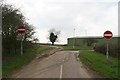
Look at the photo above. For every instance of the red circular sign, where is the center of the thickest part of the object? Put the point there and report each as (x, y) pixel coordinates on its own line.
(108, 34)
(21, 29)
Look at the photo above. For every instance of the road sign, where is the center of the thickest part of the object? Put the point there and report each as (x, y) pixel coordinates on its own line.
(21, 29)
(108, 35)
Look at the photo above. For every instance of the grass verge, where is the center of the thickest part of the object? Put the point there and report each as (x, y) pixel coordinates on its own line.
(98, 62)
(17, 61)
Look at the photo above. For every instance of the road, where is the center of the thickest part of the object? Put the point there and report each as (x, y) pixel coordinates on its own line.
(62, 64)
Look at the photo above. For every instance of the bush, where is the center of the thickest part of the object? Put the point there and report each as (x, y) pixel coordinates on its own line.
(113, 49)
(100, 48)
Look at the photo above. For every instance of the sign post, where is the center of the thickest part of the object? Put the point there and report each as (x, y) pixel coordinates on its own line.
(107, 53)
(21, 31)
(107, 35)
(21, 47)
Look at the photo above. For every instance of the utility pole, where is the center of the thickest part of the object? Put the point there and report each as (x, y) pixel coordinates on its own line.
(74, 38)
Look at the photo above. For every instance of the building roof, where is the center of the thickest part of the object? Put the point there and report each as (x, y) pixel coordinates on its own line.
(90, 36)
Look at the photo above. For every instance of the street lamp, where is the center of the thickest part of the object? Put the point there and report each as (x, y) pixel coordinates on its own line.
(74, 38)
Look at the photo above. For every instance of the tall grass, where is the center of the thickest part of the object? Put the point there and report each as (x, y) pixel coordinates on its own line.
(98, 62)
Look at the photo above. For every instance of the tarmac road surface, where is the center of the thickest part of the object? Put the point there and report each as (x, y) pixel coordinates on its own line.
(62, 64)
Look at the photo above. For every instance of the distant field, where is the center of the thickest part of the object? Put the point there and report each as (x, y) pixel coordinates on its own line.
(98, 62)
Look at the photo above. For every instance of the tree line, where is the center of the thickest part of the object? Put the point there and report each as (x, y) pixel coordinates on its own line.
(12, 18)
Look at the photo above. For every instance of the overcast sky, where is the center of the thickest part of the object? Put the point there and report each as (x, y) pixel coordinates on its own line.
(88, 17)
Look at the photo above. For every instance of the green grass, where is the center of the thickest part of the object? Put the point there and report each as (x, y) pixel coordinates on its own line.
(77, 48)
(17, 61)
(98, 62)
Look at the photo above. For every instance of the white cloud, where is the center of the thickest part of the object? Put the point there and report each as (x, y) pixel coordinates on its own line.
(87, 16)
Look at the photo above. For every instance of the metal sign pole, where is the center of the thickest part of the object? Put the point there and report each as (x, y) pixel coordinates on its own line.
(21, 47)
(107, 53)
(22, 38)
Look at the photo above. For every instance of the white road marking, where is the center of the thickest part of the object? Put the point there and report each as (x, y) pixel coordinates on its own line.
(61, 71)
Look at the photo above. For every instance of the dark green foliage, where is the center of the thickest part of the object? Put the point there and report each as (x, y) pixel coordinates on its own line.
(53, 38)
(113, 49)
(12, 18)
(100, 48)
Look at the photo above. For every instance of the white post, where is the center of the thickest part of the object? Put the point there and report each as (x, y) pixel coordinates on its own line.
(107, 53)
(21, 47)
(74, 38)
(22, 38)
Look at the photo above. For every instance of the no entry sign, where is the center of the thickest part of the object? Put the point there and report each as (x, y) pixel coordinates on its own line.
(108, 35)
(21, 29)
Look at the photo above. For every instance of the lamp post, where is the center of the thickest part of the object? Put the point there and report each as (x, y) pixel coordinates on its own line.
(74, 38)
